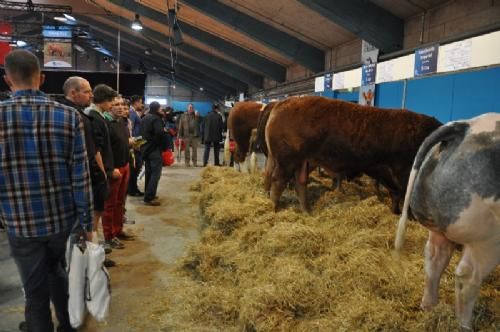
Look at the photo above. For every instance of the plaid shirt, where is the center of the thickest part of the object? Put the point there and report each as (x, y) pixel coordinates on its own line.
(44, 174)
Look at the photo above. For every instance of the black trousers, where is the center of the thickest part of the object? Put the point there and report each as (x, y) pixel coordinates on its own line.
(134, 173)
(207, 153)
(41, 263)
(154, 164)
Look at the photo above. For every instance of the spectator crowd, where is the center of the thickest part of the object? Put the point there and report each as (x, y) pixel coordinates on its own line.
(73, 162)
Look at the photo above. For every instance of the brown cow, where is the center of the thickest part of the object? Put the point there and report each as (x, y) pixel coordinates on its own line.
(242, 119)
(343, 138)
(258, 144)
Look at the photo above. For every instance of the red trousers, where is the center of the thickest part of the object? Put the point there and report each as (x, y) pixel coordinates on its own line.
(114, 206)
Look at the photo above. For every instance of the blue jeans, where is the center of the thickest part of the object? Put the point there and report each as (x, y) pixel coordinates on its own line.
(153, 163)
(41, 263)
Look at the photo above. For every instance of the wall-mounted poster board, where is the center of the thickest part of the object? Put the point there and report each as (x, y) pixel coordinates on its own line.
(426, 60)
(57, 54)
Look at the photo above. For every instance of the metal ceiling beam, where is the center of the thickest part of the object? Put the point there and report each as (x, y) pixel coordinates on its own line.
(161, 63)
(159, 50)
(134, 57)
(208, 59)
(301, 52)
(363, 18)
(184, 81)
(265, 66)
(130, 55)
(29, 6)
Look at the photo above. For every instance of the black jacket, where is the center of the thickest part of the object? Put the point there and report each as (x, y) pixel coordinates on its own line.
(213, 127)
(153, 131)
(101, 139)
(119, 142)
(95, 172)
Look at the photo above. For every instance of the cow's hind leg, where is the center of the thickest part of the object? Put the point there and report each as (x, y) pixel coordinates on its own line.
(279, 181)
(301, 175)
(477, 262)
(438, 251)
(268, 174)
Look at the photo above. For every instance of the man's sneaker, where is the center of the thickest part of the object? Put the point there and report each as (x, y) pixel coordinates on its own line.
(124, 236)
(109, 262)
(152, 203)
(115, 245)
(118, 243)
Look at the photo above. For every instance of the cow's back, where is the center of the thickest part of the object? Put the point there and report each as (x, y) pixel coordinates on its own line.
(327, 128)
(459, 172)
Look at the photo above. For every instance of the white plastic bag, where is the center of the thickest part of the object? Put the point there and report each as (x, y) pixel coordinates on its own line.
(99, 289)
(77, 275)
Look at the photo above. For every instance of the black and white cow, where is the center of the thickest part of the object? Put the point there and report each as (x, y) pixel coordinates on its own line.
(454, 191)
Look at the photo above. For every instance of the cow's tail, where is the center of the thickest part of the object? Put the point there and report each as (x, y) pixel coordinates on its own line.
(253, 162)
(227, 152)
(253, 154)
(444, 134)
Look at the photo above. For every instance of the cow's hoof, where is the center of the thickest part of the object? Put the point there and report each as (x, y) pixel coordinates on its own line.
(427, 306)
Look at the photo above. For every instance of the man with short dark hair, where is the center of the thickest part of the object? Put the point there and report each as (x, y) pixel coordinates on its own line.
(135, 115)
(114, 206)
(212, 134)
(45, 188)
(189, 132)
(153, 131)
(103, 101)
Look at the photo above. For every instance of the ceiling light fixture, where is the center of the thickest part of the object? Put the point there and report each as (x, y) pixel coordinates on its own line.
(61, 19)
(137, 24)
(69, 17)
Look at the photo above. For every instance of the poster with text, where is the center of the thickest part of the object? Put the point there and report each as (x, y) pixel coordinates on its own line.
(57, 54)
(319, 84)
(368, 73)
(328, 81)
(457, 55)
(338, 81)
(426, 60)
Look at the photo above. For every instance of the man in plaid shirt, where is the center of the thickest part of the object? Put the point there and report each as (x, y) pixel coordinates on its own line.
(44, 188)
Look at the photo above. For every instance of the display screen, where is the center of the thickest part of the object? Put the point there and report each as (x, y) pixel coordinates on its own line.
(56, 31)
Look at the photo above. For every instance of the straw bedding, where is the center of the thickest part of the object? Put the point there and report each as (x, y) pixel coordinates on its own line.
(333, 270)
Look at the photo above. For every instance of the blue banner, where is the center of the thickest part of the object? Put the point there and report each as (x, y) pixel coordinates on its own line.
(368, 74)
(426, 60)
(328, 81)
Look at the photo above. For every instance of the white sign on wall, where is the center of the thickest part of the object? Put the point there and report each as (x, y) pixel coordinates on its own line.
(385, 71)
(457, 55)
(338, 81)
(319, 84)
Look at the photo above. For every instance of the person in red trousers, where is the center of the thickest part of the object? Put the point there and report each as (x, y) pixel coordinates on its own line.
(114, 207)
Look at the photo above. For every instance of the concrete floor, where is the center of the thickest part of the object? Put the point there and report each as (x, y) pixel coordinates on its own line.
(144, 268)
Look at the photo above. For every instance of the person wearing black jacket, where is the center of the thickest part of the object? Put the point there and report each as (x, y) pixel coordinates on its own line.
(103, 101)
(78, 94)
(153, 131)
(212, 134)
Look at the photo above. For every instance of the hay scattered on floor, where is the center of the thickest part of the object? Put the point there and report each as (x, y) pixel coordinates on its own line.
(256, 270)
